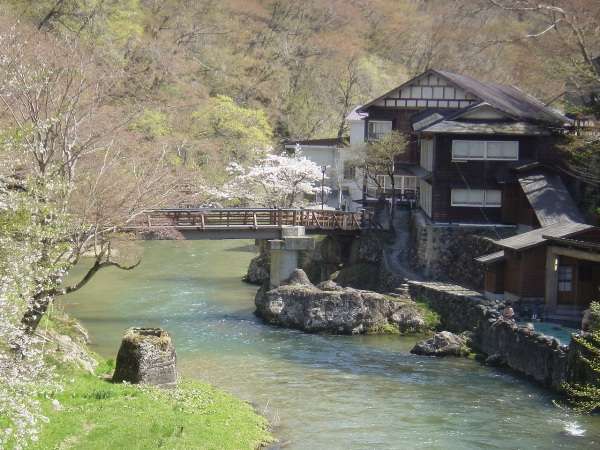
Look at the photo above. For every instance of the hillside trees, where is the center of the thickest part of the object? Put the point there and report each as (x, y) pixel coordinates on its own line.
(77, 185)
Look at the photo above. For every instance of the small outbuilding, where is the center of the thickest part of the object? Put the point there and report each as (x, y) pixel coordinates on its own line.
(556, 268)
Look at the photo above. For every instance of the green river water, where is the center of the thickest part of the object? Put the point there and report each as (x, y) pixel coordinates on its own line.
(319, 392)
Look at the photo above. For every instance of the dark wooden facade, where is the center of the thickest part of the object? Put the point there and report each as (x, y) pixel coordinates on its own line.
(461, 103)
(401, 121)
(523, 274)
(448, 174)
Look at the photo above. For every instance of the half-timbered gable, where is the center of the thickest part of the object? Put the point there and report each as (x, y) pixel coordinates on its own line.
(430, 90)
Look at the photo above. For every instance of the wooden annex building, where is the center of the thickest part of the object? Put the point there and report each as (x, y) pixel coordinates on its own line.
(554, 269)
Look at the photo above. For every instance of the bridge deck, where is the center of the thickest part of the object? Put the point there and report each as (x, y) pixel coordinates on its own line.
(235, 220)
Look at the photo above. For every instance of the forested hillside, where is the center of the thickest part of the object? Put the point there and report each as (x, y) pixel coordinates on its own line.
(215, 80)
(111, 107)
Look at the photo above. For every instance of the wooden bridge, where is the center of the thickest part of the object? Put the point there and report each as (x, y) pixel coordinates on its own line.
(251, 223)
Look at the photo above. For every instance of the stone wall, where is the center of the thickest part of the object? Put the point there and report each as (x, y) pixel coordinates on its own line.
(448, 252)
(520, 348)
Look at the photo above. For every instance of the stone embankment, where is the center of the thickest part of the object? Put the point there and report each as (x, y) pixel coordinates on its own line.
(518, 347)
(331, 308)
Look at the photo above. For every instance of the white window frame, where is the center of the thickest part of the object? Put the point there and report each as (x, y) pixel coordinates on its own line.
(485, 156)
(483, 204)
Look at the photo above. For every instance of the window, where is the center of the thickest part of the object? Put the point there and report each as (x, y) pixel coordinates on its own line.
(479, 150)
(378, 129)
(349, 171)
(565, 278)
(489, 198)
(425, 197)
(427, 154)
(468, 149)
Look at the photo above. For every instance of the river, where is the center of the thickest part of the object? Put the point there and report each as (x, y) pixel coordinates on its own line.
(319, 392)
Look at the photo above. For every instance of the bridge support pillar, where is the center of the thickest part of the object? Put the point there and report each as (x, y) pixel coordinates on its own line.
(285, 252)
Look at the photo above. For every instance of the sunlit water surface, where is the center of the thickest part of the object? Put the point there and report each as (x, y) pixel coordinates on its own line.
(319, 392)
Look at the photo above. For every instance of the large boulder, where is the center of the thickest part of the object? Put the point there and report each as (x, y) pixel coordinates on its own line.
(301, 305)
(146, 356)
(443, 343)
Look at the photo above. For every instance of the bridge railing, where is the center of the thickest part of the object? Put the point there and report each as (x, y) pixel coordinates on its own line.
(217, 218)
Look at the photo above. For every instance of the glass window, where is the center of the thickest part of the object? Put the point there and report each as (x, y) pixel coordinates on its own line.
(379, 129)
(468, 197)
(565, 278)
(489, 198)
(349, 171)
(492, 150)
(493, 198)
(508, 150)
(468, 149)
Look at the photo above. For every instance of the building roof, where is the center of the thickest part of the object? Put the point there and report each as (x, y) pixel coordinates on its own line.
(356, 114)
(566, 242)
(491, 258)
(508, 99)
(549, 198)
(536, 237)
(465, 127)
(325, 142)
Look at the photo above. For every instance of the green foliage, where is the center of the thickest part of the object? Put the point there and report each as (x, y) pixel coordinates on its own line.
(95, 413)
(595, 316)
(387, 328)
(582, 159)
(152, 124)
(432, 318)
(585, 398)
(243, 133)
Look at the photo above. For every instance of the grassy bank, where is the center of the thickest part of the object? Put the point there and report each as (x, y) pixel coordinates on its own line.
(90, 412)
(97, 414)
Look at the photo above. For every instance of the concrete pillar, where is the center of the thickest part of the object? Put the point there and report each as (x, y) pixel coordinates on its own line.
(285, 253)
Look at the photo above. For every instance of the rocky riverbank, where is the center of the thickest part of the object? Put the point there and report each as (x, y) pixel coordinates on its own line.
(328, 307)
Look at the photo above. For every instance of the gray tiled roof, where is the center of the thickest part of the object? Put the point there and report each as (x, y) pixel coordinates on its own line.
(509, 99)
(491, 258)
(463, 127)
(535, 237)
(549, 198)
(355, 114)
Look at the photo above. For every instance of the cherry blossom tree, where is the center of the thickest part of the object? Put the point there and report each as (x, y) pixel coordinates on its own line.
(276, 181)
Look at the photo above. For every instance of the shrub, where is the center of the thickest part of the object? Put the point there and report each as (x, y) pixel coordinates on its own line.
(595, 316)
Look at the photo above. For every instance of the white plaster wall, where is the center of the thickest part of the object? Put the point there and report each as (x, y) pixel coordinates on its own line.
(357, 132)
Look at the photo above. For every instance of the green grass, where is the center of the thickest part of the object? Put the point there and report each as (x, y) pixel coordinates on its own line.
(97, 414)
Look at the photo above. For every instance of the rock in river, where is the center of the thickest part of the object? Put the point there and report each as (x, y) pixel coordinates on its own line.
(299, 304)
(443, 343)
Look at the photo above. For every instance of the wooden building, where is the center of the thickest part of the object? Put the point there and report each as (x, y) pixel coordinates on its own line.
(473, 146)
(557, 266)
